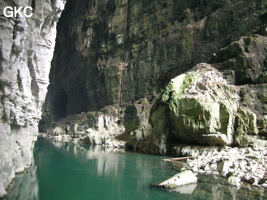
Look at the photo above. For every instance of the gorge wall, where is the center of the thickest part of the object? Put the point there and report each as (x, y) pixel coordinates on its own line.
(113, 59)
(26, 51)
(113, 52)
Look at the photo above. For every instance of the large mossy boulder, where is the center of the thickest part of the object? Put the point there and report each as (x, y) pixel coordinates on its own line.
(201, 106)
(223, 103)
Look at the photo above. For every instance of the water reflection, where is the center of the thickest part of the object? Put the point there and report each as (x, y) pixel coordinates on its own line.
(185, 189)
(67, 171)
(108, 160)
(210, 188)
(25, 186)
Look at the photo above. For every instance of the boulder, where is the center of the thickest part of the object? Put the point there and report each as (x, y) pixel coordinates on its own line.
(232, 180)
(224, 167)
(200, 106)
(183, 178)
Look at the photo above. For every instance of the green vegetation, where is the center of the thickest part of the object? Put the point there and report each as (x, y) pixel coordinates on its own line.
(188, 80)
(176, 88)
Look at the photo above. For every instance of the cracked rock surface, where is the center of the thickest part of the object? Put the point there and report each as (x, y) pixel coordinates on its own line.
(26, 50)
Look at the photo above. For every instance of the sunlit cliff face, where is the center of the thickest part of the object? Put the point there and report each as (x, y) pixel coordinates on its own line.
(27, 40)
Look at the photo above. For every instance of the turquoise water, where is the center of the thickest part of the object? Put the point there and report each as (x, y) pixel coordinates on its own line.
(63, 171)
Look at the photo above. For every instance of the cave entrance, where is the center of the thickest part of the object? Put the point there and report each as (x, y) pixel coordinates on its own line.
(60, 104)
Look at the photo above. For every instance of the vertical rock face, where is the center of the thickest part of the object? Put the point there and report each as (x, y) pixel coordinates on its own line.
(112, 52)
(26, 50)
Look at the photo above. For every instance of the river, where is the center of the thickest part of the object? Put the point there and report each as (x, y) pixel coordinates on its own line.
(64, 171)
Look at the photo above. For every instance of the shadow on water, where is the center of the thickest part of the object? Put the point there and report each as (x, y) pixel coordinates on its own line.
(66, 171)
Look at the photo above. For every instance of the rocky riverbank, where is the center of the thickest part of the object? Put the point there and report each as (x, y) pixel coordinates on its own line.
(96, 128)
(238, 165)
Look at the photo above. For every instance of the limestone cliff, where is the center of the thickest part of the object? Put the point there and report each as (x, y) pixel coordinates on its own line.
(113, 52)
(26, 51)
(123, 54)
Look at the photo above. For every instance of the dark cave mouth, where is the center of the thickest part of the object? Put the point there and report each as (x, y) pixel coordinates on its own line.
(60, 104)
(58, 109)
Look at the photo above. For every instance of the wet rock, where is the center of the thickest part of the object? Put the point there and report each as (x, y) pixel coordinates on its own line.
(224, 167)
(232, 180)
(182, 178)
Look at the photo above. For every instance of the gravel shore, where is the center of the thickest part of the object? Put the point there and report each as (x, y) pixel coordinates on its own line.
(238, 165)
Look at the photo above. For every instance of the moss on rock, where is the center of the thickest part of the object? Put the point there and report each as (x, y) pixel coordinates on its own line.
(200, 102)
